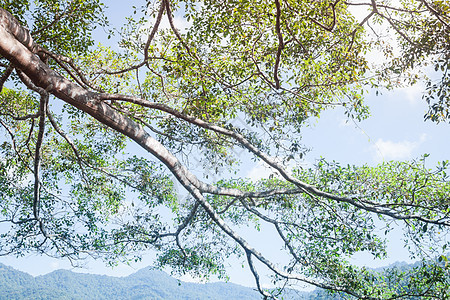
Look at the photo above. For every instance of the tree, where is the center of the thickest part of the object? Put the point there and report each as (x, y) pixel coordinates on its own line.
(70, 189)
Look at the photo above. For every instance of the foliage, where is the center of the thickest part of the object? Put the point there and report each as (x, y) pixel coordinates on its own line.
(239, 77)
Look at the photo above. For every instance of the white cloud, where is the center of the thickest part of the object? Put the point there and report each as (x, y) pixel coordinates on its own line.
(260, 171)
(389, 150)
(395, 150)
(413, 94)
(180, 23)
(54, 265)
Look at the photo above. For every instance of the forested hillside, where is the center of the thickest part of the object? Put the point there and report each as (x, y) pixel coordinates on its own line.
(146, 283)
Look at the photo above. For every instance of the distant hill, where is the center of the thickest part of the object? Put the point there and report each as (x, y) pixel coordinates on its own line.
(144, 284)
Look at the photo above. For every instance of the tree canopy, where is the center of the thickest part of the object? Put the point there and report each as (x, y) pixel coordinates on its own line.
(238, 76)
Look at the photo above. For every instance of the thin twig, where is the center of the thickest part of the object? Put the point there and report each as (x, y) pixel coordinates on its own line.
(280, 43)
(79, 78)
(37, 160)
(154, 30)
(256, 275)
(6, 75)
(68, 140)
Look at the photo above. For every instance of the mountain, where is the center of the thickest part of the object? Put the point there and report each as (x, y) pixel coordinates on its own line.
(144, 284)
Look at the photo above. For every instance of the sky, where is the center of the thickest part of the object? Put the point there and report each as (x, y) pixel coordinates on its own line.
(395, 131)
